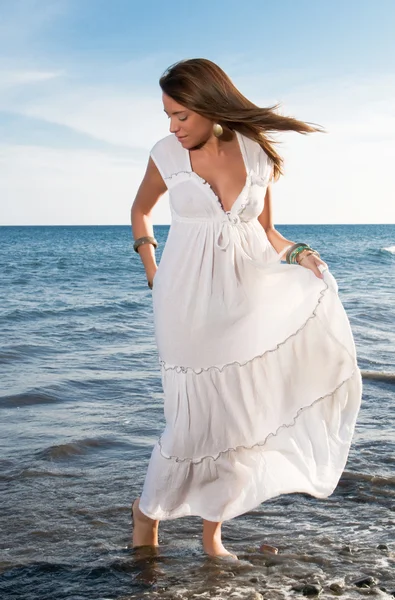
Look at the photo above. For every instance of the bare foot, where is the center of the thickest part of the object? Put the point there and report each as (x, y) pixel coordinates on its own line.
(145, 530)
(218, 551)
(212, 542)
(268, 548)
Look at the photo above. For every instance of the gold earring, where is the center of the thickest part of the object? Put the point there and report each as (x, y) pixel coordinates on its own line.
(217, 130)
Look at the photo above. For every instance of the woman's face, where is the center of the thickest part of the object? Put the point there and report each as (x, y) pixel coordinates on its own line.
(190, 128)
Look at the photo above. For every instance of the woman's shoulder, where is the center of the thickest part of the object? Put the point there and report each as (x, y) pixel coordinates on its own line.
(252, 146)
(256, 156)
(169, 156)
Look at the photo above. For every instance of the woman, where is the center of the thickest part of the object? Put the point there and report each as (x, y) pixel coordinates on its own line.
(259, 372)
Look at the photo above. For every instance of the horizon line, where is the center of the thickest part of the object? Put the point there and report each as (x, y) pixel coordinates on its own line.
(168, 224)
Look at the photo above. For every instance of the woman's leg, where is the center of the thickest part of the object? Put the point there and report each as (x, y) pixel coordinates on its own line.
(212, 542)
(145, 530)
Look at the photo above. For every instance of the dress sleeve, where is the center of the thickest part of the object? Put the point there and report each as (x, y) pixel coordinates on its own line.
(156, 154)
(170, 158)
(265, 166)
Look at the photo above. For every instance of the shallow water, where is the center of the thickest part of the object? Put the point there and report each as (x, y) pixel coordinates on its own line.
(80, 409)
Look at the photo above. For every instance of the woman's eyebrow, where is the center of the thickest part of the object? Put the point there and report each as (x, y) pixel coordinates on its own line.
(176, 112)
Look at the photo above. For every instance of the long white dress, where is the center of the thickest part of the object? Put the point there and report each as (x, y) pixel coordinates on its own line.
(259, 372)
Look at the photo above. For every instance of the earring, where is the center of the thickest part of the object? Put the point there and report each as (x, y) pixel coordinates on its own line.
(217, 130)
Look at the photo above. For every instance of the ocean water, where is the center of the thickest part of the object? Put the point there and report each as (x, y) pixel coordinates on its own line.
(81, 407)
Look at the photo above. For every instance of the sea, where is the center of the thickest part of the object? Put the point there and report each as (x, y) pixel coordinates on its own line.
(81, 408)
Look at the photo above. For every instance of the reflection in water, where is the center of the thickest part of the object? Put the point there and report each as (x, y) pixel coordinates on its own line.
(146, 560)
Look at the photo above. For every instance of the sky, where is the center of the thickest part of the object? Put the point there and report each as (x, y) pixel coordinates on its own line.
(80, 104)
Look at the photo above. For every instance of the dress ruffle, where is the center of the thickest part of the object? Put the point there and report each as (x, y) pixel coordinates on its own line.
(279, 435)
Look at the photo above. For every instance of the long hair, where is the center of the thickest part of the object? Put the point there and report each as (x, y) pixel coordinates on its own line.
(203, 87)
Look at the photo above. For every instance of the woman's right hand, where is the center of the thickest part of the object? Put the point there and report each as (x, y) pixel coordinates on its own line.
(311, 261)
(151, 277)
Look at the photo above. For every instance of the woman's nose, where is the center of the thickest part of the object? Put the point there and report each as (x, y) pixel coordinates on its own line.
(174, 126)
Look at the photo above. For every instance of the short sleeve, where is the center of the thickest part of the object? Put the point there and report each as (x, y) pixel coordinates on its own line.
(158, 156)
(169, 157)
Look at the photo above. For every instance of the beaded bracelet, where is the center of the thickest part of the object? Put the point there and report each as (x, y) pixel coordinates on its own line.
(290, 253)
(295, 253)
(310, 251)
(144, 240)
(297, 249)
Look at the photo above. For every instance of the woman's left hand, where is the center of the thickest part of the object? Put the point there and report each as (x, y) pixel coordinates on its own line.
(312, 262)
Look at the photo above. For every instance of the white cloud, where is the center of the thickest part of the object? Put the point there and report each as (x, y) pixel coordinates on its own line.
(124, 117)
(330, 179)
(50, 186)
(12, 78)
(130, 119)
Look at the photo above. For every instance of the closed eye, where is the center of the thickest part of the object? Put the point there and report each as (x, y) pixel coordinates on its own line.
(184, 118)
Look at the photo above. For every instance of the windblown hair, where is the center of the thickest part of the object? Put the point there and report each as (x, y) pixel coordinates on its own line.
(203, 87)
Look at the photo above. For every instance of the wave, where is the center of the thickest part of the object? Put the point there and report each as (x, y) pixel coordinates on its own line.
(25, 352)
(377, 254)
(8, 356)
(31, 473)
(18, 314)
(376, 479)
(76, 448)
(378, 375)
(27, 399)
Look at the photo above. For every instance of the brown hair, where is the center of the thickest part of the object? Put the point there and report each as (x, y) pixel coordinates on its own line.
(203, 87)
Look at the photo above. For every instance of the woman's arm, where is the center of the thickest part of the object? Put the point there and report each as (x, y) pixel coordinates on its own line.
(151, 189)
(280, 243)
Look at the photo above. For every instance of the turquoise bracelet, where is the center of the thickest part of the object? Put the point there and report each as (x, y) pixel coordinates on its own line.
(298, 247)
(295, 250)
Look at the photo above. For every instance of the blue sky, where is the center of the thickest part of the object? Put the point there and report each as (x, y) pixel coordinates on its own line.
(80, 105)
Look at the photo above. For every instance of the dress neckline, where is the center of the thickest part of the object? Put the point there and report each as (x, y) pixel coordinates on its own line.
(207, 185)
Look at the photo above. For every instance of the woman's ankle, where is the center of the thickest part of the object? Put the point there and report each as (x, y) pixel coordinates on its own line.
(145, 529)
(212, 539)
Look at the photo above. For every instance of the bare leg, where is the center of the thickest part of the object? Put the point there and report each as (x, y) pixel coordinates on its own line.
(145, 530)
(212, 542)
